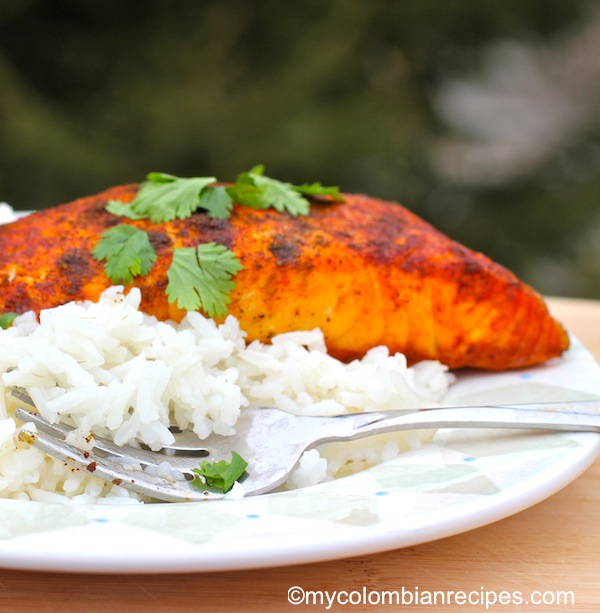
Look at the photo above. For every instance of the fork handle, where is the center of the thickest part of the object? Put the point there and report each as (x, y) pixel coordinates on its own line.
(581, 416)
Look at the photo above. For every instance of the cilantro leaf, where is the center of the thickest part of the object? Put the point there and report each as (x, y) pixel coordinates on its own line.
(220, 475)
(166, 197)
(121, 209)
(254, 189)
(127, 251)
(316, 189)
(6, 320)
(246, 192)
(200, 277)
(216, 201)
(161, 177)
(258, 191)
(259, 169)
(282, 196)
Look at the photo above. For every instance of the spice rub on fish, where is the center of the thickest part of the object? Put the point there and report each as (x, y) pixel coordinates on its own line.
(366, 271)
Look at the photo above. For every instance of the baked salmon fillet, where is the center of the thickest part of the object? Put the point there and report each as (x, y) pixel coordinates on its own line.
(366, 272)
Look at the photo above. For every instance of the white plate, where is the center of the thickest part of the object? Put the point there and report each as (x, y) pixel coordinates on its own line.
(462, 480)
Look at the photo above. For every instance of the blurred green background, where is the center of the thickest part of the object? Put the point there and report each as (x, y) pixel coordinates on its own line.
(483, 117)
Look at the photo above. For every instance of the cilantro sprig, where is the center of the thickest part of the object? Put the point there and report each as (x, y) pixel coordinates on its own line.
(200, 277)
(255, 190)
(220, 475)
(165, 197)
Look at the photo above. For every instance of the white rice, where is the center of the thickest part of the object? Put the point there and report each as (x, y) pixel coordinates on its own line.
(7, 213)
(107, 367)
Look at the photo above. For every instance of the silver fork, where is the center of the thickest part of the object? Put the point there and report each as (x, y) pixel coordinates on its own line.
(272, 442)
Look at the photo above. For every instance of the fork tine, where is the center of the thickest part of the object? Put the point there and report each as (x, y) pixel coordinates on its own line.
(100, 444)
(59, 429)
(141, 481)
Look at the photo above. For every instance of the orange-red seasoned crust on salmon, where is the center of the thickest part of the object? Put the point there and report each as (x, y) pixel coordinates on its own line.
(366, 271)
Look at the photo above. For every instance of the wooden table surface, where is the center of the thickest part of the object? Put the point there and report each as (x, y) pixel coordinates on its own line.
(550, 551)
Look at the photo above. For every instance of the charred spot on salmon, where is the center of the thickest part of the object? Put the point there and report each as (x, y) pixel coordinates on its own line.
(200, 224)
(18, 299)
(75, 268)
(285, 249)
(159, 240)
